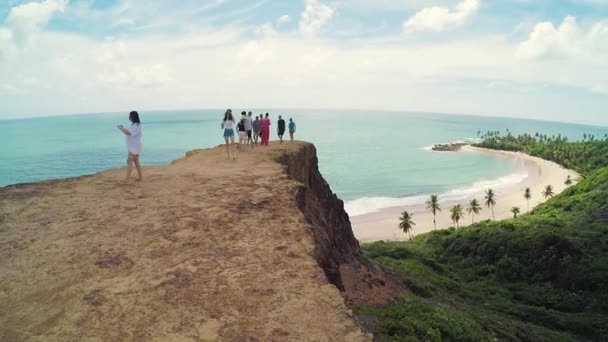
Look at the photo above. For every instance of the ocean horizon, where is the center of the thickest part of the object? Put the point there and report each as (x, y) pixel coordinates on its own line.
(371, 159)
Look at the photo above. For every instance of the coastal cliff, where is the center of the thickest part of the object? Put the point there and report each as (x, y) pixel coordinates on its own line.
(335, 243)
(204, 249)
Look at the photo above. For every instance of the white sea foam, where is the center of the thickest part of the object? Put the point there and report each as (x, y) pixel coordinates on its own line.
(367, 205)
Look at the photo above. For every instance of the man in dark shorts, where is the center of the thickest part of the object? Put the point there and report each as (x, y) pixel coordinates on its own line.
(242, 132)
(256, 129)
(249, 128)
(281, 128)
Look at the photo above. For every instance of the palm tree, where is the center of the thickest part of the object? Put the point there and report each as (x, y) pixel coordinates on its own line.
(528, 196)
(406, 224)
(433, 205)
(456, 214)
(491, 201)
(474, 209)
(568, 181)
(515, 211)
(548, 192)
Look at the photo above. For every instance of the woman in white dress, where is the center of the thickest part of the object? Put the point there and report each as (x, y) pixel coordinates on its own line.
(134, 146)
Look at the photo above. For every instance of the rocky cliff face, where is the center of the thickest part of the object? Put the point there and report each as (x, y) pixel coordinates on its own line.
(335, 244)
(337, 250)
(204, 249)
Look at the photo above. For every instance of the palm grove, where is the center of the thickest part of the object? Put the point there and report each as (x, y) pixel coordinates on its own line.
(457, 212)
(554, 148)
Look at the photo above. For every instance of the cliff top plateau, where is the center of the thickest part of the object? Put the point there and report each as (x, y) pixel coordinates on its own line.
(204, 249)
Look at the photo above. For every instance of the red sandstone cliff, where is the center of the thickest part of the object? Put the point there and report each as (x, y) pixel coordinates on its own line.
(335, 243)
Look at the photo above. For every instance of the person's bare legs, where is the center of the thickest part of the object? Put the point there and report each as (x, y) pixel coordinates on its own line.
(291, 136)
(233, 148)
(129, 165)
(138, 166)
(227, 140)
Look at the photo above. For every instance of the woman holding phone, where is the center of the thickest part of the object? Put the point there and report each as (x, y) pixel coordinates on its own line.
(134, 145)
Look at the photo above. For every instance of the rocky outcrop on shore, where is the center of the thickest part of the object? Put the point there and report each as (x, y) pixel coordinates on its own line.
(454, 147)
(204, 249)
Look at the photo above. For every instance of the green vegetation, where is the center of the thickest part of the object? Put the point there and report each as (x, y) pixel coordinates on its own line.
(528, 197)
(433, 205)
(515, 211)
(584, 157)
(540, 277)
(474, 209)
(406, 224)
(548, 192)
(491, 201)
(456, 214)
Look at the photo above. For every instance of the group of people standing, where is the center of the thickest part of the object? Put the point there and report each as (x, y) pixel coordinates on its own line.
(251, 130)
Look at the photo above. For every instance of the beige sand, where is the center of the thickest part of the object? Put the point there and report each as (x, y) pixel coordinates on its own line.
(383, 225)
(205, 249)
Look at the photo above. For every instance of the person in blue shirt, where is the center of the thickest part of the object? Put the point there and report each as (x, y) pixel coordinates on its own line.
(292, 128)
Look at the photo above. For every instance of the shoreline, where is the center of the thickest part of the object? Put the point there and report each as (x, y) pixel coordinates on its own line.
(383, 224)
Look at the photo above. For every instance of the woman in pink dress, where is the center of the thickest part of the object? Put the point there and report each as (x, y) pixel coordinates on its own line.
(265, 125)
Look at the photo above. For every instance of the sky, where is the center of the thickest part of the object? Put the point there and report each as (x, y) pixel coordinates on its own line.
(540, 59)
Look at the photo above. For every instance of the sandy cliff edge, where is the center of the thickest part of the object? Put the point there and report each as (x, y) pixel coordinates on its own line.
(204, 249)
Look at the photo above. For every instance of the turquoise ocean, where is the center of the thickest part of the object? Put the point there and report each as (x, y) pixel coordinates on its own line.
(370, 159)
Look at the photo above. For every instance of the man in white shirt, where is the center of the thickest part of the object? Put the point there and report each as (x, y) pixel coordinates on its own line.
(249, 128)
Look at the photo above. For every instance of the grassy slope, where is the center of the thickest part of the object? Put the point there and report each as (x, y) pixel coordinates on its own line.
(543, 276)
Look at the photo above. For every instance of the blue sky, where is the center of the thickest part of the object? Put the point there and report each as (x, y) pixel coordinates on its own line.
(524, 58)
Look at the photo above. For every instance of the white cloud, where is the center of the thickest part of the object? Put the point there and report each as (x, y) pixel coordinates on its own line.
(197, 70)
(218, 64)
(568, 40)
(118, 69)
(600, 88)
(440, 18)
(26, 19)
(284, 19)
(255, 53)
(137, 76)
(266, 31)
(546, 40)
(314, 17)
(6, 42)
(11, 89)
(567, 54)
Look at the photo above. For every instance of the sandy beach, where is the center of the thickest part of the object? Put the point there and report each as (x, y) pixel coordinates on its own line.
(383, 224)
